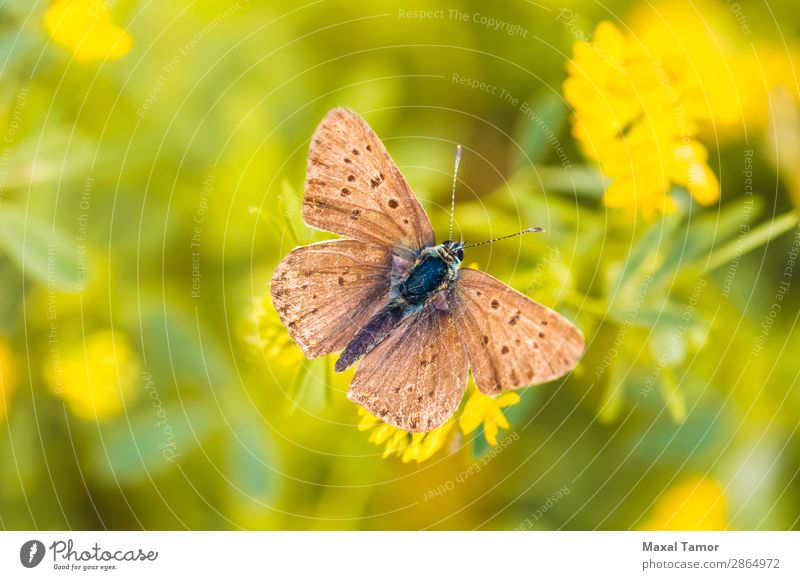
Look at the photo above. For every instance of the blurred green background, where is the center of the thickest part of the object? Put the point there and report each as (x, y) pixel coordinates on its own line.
(147, 197)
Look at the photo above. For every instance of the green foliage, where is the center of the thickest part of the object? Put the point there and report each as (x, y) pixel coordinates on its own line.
(43, 252)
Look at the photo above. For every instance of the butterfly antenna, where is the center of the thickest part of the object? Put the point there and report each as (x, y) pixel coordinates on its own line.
(453, 192)
(525, 231)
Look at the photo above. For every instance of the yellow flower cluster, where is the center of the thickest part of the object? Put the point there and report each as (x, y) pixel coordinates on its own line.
(8, 377)
(85, 28)
(409, 446)
(96, 379)
(698, 504)
(726, 72)
(479, 410)
(266, 332)
(643, 98)
(483, 410)
(636, 115)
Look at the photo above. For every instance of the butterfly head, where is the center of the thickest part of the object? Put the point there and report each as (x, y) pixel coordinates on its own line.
(452, 252)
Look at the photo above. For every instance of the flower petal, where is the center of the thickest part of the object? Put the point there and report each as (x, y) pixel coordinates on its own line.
(473, 413)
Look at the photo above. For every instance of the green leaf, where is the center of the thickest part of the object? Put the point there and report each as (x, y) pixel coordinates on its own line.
(676, 404)
(614, 394)
(667, 314)
(177, 346)
(538, 130)
(42, 251)
(756, 237)
(578, 180)
(251, 458)
(703, 430)
(55, 156)
(310, 386)
(705, 232)
(153, 439)
(647, 254)
(712, 229)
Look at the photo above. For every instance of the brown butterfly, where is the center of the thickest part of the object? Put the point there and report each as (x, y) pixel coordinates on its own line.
(391, 295)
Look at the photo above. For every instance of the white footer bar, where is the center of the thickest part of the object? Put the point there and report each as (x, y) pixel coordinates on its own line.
(406, 555)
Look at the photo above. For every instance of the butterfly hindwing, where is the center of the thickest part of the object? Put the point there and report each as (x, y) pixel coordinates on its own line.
(325, 292)
(416, 377)
(511, 341)
(353, 188)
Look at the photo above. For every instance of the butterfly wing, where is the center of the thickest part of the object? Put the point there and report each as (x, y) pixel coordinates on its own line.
(511, 341)
(325, 292)
(353, 188)
(416, 377)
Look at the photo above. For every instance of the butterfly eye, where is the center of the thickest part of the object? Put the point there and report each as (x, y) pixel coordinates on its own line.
(460, 254)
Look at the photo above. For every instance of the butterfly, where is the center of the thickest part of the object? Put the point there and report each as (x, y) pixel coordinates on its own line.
(390, 296)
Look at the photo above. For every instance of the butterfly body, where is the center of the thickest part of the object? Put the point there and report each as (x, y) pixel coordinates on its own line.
(412, 287)
(432, 272)
(390, 295)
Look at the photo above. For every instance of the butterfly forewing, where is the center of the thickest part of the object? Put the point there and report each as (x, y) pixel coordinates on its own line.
(415, 378)
(511, 341)
(353, 188)
(325, 292)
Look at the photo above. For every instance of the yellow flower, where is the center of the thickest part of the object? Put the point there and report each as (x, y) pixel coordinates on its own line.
(698, 504)
(481, 409)
(85, 27)
(97, 378)
(8, 377)
(267, 333)
(727, 72)
(634, 116)
(409, 446)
